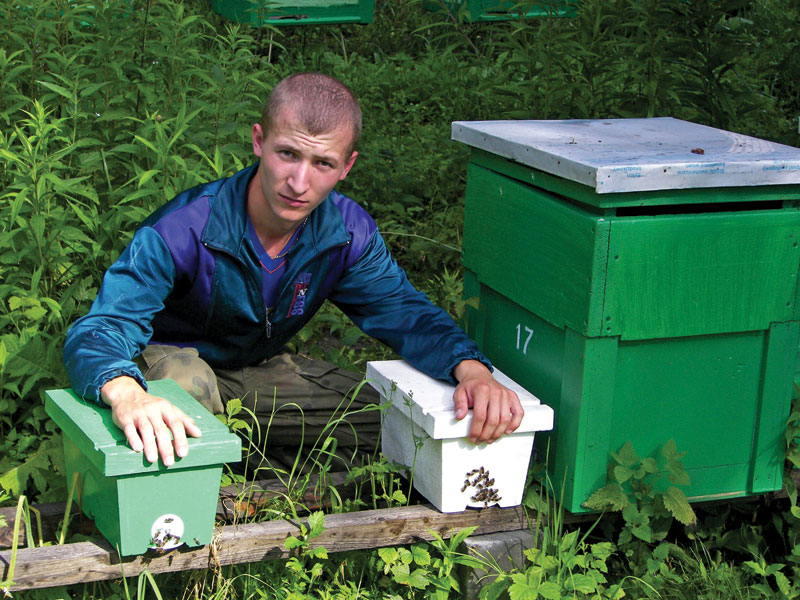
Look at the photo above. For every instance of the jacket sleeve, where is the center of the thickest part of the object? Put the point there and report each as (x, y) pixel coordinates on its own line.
(100, 345)
(376, 294)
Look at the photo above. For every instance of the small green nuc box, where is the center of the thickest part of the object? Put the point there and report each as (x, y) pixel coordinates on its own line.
(640, 276)
(135, 504)
(295, 12)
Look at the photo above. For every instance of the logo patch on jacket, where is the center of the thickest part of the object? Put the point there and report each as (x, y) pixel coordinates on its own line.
(298, 305)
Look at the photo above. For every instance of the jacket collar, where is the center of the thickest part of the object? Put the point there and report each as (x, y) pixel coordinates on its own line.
(226, 228)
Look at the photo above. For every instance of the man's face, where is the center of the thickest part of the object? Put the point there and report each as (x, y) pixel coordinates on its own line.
(296, 172)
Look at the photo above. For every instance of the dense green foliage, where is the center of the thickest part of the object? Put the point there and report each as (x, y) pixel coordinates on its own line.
(108, 109)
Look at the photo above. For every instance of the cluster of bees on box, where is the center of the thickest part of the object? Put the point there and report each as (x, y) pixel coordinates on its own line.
(480, 480)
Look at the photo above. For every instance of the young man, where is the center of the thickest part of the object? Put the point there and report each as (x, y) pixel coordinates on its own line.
(215, 283)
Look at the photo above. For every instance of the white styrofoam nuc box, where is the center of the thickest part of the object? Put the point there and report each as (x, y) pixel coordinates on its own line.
(420, 431)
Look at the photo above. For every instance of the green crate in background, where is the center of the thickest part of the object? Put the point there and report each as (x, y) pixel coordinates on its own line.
(295, 12)
(641, 278)
(502, 10)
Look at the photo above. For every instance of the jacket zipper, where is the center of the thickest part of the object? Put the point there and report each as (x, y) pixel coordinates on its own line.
(267, 322)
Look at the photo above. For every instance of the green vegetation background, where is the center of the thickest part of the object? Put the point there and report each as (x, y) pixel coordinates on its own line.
(108, 109)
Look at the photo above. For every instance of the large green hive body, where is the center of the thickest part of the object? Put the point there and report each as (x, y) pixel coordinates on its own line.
(640, 276)
(138, 505)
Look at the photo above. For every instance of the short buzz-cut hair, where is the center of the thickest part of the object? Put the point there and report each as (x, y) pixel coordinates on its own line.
(321, 103)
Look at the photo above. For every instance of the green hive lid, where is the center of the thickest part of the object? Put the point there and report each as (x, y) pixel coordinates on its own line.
(636, 155)
(91, 429)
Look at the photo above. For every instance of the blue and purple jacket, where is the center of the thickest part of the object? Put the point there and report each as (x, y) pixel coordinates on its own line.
(191, 277)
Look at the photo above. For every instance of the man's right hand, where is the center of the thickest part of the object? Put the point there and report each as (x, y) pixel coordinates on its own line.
(147, 420)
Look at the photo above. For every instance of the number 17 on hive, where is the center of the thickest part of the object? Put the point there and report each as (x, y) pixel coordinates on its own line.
(524, 335)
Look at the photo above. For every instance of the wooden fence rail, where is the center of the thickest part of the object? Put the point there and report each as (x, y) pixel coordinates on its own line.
(84, 562)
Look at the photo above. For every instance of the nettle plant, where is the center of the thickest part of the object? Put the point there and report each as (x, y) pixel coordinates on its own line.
(635, 489)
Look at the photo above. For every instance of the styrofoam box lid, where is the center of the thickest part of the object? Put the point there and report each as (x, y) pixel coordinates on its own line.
(430, 401)
(635, 155)
(90, 427)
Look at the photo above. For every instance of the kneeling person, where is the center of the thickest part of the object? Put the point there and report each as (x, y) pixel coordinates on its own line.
(222, 276)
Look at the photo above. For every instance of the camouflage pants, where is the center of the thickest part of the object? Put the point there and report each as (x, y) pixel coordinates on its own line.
(296, 401)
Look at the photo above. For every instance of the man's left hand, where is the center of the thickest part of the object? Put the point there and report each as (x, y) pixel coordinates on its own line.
(496, 410)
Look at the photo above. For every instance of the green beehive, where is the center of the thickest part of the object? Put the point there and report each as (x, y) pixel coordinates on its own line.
(640, 276)
(503, 10)
(295, 12)
(138, 505)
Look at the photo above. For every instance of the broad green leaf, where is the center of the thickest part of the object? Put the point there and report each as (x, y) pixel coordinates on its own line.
(233, 407)
(650, 465)
(388, 555)
(755, 567)
(417, 579)
(603, 550)
(677, 474)
(661, 552)
(399, 497)
(316, 523)
(634, 516)
(401, 570)
(579, 582)
(35, 313)
(643, 531)
(318, 552)
(670, 451)
(550, 590)
(676, 503)
(785, 586)
(609, 497)
(622, 474)
(37, 467)
(493, 590)
(421, 556)
(292, 542)
(522, 591)
(568, 541)
(626, 456)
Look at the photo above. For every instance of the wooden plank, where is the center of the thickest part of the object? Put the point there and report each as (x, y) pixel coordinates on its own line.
(234, 544)
(238, 501)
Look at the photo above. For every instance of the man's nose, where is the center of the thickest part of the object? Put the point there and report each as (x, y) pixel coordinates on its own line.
(299, 178)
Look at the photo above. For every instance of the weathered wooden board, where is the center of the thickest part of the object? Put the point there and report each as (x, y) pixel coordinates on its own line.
(236, 502)
(95, 561)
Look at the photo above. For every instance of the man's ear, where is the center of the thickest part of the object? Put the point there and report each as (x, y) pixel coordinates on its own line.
(348, 165)
(258, 140)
